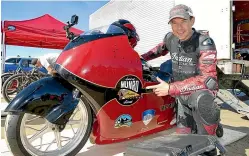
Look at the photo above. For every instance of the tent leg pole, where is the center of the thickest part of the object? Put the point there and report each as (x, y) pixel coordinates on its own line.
(3, 53)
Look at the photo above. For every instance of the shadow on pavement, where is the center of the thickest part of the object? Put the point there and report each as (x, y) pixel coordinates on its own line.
(240, 147)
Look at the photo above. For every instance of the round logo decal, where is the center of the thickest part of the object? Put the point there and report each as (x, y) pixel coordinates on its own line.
(129, 90)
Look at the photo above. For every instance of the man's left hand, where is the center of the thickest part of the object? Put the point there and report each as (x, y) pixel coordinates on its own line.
(161, 89)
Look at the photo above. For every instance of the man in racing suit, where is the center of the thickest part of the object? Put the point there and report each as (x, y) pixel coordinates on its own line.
(194, 61)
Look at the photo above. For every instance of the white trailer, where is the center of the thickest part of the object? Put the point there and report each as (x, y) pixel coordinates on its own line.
(151, 20)
(218, 17)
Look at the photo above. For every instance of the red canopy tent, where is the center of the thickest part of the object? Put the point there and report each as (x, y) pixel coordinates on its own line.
(43, 32)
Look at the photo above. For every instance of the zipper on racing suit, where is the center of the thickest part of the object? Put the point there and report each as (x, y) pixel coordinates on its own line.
(179, 70)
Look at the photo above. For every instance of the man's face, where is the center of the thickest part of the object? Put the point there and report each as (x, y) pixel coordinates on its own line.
(182, 28)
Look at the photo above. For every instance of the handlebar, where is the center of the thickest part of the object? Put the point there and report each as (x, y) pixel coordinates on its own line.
(35, 69)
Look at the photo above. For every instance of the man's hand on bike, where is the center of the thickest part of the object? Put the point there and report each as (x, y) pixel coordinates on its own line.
(161, 89)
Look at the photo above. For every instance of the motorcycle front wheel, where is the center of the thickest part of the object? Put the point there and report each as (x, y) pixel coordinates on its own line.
(28, 134)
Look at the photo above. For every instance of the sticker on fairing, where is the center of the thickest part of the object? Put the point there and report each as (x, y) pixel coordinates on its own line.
(148, 116)
(167, 106)
(129, 90)
(124, 120)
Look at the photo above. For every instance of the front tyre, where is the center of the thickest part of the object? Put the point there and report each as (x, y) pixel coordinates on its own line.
(28, 134)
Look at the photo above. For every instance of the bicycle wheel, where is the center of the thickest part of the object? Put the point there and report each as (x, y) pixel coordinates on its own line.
(5, 76)
(14, 84)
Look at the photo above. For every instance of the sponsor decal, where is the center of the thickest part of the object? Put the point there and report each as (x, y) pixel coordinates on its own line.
(209, 51)
(11, 28)
(204, 32)
(211, 56)
(207, 61)
(129, 90)
(181, 58)
(123, 120)
(167, 106)
(207, 42)
(190, 88)
(148, 115)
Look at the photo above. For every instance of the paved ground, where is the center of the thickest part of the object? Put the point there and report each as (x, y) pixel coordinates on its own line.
(118, 148)
(237, 122)
(229, 118)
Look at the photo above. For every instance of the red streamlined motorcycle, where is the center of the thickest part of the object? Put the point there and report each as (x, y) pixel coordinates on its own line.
(99, 91)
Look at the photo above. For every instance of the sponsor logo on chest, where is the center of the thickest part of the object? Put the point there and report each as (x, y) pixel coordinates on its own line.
(211, 56)
(190, 88)
(181, 58)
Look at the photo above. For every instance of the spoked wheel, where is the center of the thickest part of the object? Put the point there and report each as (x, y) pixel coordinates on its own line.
(11, 89)
(13, 85)
(28, 134)
(5, 76)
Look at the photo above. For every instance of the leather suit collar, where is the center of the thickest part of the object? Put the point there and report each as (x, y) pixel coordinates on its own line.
(191, 44)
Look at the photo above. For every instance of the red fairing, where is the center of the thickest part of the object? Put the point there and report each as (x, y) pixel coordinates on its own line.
(155, 52)
(207, 66)
(106, 117)
(102, 61)
(131, 113)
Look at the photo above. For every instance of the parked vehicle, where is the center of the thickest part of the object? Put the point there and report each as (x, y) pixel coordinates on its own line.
(12, 64)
